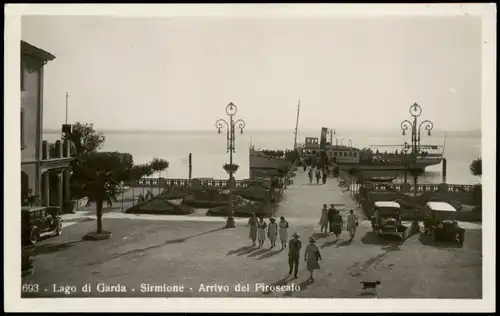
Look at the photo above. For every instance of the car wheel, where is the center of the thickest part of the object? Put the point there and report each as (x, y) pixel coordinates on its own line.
(59, 229)
(34, 236)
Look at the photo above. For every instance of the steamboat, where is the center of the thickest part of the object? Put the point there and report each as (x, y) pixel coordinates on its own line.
(384, 162)
(373, 158)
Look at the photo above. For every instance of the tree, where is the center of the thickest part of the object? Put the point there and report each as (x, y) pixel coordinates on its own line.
(101, 185)
(158, 165)
(476, 167)
(84, 139)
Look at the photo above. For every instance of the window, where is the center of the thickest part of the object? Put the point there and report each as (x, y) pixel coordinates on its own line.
(22, 130)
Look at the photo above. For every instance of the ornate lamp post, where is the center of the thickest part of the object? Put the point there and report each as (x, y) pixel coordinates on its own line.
(230, 168)
(416, 128)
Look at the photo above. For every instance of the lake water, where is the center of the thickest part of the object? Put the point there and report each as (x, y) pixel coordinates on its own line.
(209, 149)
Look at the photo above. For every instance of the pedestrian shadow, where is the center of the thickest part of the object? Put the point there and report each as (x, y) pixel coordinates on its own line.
(258, 252)
(181, 240)
(270, 254)
(344, 243)
(281, 282)
(329, 244)
(305, 284)
(168, 242)
(241, 250)
(320, 235)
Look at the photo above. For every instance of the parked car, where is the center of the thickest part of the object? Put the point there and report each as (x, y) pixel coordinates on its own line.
(440, 223)
(386, 219)
(36, 221)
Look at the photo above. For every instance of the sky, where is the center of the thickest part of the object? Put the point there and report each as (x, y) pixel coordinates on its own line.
(179, 73)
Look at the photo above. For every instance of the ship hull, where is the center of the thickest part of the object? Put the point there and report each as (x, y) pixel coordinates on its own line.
(421, 165)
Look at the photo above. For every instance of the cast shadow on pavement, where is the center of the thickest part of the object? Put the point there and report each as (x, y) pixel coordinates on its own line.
(270, 254)
(241, 251)
(261, 251)
(426, 240)
(280, 282)
(344, 243)
(320, 235)
(329, 243)
(371, 238)
(44, 249)
(168, 242)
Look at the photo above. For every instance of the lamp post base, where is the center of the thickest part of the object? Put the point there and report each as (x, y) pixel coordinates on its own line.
(230, 223)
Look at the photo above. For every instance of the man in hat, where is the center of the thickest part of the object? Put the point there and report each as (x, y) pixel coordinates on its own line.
(294, 254)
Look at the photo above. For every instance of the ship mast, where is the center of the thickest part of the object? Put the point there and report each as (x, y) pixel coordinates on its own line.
(296, 127)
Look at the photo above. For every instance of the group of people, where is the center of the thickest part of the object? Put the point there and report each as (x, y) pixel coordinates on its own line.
(259, 230)
(332, 222)
(320, 174)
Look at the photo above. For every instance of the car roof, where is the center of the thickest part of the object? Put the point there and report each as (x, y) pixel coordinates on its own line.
(32, 208)
(387, 204)
(441, 206)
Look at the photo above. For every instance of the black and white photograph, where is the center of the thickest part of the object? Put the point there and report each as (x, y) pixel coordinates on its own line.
(309, 153)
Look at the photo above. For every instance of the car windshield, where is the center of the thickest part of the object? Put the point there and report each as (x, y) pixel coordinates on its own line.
(388, 211)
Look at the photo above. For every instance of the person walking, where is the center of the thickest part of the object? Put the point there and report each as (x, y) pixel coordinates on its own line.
(310, 174)
(325, 175)
(337, 224)
(331, 216)
(272, 232)
(352, 224)
(283, 231)
(294, 255)
(312, 256)
(323, 221)
(261, 225)
(252, 222)
(318, 175)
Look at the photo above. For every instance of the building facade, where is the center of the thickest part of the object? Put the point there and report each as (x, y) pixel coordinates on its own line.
(36, 164)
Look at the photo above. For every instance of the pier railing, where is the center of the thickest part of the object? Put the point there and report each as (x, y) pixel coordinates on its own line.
(351, 185)
(184, 183)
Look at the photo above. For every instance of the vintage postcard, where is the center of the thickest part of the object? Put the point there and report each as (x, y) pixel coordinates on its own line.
(283, 157)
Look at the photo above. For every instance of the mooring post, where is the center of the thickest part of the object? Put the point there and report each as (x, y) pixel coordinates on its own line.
(190, 165)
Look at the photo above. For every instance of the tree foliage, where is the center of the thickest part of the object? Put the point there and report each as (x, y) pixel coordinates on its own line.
(476, 167)
(158, 165)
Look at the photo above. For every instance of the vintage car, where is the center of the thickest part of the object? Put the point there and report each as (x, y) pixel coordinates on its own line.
(439, 221)
(386, 219)
(36, 221)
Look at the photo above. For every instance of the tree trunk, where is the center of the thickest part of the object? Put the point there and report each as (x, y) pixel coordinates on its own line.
(99, 216)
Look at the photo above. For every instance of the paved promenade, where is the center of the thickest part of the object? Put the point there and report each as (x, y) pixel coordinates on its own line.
(190, 254)
(194, 252)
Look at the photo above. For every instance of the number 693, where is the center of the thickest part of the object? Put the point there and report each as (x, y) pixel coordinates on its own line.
(30, 288)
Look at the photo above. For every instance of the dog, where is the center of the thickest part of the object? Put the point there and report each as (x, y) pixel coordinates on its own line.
(370, 285)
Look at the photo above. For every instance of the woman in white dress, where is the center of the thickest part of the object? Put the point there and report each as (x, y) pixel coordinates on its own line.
(283, 232)
(261, 225)
(272, 232)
